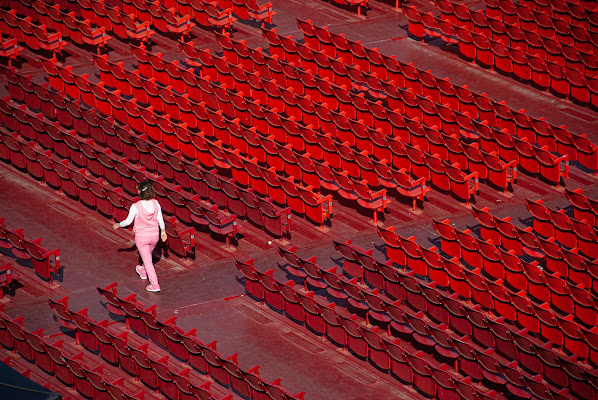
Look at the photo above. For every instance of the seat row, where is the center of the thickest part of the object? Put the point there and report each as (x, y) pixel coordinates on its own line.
(74, 175)
(520, 292)
(140, 359)
(325, 122)
(175, 167)
(488, 330)
(565, 76)
(554, 257)
(186, 346)
(555, 226)
(498, 175)
(424, 333)
(45, 262)
(478, 106)
(368, 198)
(205, 13)
(372, 343)
(71, 27)
(64, 362)
(581, 13)
(585, 207)
(556, 261)
(573, 287)
(569, 232)
(34, 36)
(107, 162)
(512, 16)
(133, 19)
(582, 37)
(384, 120)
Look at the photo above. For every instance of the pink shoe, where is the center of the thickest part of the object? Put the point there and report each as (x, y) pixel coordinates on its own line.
(141, 272)
(152, 288)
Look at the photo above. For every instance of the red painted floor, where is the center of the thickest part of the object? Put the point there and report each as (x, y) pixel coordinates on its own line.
(207, 293)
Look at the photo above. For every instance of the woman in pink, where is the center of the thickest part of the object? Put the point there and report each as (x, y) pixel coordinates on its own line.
(149, 226)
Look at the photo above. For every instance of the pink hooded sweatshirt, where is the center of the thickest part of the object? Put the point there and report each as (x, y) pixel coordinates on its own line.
(148, 218)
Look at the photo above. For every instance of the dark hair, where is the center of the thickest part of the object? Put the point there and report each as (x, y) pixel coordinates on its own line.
(146, 192)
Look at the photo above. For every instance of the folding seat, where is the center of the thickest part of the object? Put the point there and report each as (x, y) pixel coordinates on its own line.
(480, 331)
(33, 165)
(313, 315)
(550, 328)
(582, 208)
(484, 53)
(542, 223)
(544, 133)
(579, 378)
(276, 221)
(550, 166)
(272, 292)
(467, 48)
(480, 294)
(564, 142)
(559, 84)
(284, 48)
(253, 284)
(134, 30)
(422, 376)
(502, 58)
(147, 374)
(431, 28)
(580, 91)
(377, 309)
(539, 72)
(536, 283)
(403, 183)
(461, 185)
(498, 174)
(351, 264)
(83, 333)
(126, 360)
(40, 38)
(587, 238)
(587, 152)
(175, 241)
(553, 371)
(367, 198)
(447, 30)
(14, 144)
(488, 225)
(416, 26)
(521, 65)
(18, 339)
(575, 341)
(39, 346)
(394, 249)
(356, 340)
(81, 382)
(449, 243)
(440, 179)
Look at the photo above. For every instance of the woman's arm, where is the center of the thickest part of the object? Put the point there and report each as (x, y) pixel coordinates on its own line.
(129, 220)
(161, 223)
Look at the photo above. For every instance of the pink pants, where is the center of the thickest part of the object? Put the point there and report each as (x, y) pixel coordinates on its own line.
(145, 246)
